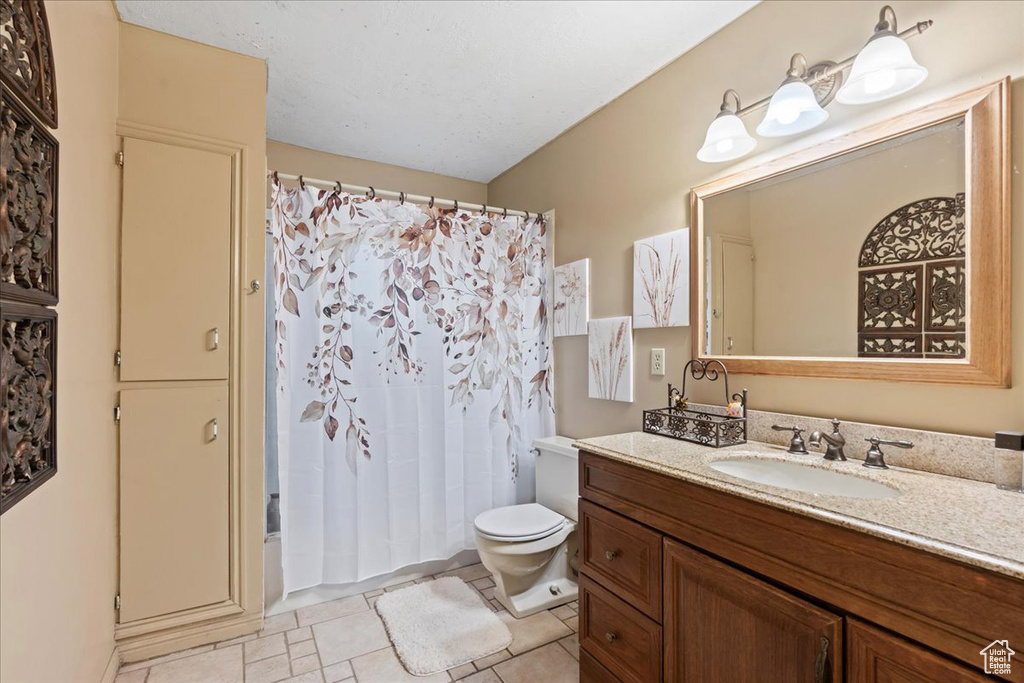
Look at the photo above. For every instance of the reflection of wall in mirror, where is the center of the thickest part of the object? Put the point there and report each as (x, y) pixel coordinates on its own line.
(808, 228)
(730, 276)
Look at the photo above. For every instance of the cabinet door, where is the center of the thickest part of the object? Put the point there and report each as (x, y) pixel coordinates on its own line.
(722, 624)
(874, 656)
(175, 262)
(174, 500)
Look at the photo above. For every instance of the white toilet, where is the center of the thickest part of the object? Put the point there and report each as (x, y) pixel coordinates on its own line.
(531, 549)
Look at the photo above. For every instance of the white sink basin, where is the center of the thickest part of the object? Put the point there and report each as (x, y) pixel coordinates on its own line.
(790, 475)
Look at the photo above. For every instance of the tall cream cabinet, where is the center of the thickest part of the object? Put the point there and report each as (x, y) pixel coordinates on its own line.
(187, 504)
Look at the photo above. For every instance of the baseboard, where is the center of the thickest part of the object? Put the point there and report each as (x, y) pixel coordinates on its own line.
(162, 643)
(113, 664)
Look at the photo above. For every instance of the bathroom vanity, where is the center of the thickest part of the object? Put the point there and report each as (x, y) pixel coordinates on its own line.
(692, 574)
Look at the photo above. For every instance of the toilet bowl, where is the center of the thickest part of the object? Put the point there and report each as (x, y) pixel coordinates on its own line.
(530, 549)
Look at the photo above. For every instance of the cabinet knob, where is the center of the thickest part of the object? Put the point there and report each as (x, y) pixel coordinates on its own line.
(611, 637)
(611, 554)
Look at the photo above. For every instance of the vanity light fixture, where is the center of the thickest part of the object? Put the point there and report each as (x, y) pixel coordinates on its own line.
(727, 137)
(793, 108)
(884, 68)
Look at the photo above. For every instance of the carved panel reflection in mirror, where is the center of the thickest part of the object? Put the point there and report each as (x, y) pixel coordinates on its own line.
(922, 230)
(28, 206)
(28, 400)
(26, 56)
(900, 299)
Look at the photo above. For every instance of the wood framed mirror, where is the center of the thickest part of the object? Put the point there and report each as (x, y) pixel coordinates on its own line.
(883, 254)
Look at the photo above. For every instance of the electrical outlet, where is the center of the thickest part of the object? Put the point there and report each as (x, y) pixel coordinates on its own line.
(657, 361)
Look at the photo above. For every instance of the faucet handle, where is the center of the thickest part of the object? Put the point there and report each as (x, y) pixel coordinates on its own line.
(875, 458)
(796, 444)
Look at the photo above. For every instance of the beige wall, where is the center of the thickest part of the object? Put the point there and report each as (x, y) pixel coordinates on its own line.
(57, 546)
(625, 173)
(286, 158)
(193, 89)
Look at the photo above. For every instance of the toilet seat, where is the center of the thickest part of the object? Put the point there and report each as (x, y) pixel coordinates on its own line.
(518, 523)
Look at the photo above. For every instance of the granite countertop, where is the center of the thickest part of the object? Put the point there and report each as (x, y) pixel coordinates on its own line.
(965, 520)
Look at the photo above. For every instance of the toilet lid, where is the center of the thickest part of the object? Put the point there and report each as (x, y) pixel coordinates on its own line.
(518, 521)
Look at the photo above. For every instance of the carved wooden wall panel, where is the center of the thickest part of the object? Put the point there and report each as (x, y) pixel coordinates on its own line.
(889, 299)
(923, 230)
(947, 296)
(916, 307)
(28, 386)
(28, 251)
(28, 206)
(26, 57)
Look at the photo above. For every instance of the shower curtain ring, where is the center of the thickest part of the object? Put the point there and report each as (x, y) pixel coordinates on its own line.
(527, 216)
(504, 213)
(484, 210)
(431, 204)
(401, 198)
(277, 181)
(337, 186)
(372, 194)
(302, 183)
(456, 206)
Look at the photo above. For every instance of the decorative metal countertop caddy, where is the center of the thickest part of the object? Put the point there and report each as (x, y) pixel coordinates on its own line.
(678, 421)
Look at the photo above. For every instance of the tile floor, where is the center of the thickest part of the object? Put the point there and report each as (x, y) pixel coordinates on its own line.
(344, 642)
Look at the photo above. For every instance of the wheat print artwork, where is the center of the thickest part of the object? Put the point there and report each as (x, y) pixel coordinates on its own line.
(572, 298)
(610, 344)
(661, 280)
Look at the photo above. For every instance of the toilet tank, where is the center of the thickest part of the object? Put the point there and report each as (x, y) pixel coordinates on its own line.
(557, 475)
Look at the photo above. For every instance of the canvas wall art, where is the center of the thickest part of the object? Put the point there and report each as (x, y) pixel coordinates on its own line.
(572, 298)
(661, 280)
(610, 362)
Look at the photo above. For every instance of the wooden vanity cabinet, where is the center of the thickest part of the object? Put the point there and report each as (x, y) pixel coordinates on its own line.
(743, 591)
(874, 656)
(722, 624)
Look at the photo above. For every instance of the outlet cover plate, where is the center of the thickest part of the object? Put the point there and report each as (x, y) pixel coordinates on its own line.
(657, 361)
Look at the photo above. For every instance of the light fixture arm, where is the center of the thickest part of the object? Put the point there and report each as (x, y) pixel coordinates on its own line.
(887, 20)
(797, 67)
(725, 108)
(886, 17)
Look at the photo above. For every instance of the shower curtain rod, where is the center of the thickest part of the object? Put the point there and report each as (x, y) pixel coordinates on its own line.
(400, 196)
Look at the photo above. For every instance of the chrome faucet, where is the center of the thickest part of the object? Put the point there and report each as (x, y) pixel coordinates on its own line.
(875, 458)
(834, 442)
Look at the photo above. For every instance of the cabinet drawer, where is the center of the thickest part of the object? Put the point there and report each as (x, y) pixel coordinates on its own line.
(622, 639)
(591, 671)
(623, 556)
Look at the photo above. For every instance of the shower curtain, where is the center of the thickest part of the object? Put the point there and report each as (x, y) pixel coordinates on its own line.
(413, 373)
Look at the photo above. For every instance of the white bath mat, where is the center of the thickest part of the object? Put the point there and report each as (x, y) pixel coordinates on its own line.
(440, 624)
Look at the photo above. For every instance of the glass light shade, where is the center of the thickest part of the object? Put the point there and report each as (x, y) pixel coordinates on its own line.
(727, 139)
(883, 69)
(793, 109)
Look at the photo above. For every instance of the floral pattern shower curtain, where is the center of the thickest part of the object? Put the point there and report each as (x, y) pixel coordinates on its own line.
(414, 372)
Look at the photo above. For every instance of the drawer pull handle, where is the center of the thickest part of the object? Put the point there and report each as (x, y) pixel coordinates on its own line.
(819, 664)
(611, 554)
(213, 429)
(216, 338)
(611, 637)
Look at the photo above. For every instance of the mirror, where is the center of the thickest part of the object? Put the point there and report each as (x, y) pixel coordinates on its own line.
(868, 256)
(861, 255)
